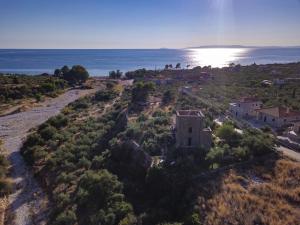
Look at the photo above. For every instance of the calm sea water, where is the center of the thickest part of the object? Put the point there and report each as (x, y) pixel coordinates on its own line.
(99, 62)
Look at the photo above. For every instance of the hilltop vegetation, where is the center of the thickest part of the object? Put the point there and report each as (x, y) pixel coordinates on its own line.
(15, 87)
(87, 158)
(111, 159)
(76, 75)
(68, 153)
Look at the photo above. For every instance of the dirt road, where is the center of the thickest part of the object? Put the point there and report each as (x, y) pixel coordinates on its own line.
(28, 203)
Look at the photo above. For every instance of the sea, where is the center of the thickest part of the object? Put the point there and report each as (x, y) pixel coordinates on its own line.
(100, 61)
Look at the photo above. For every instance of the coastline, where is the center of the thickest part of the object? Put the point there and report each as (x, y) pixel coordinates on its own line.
(100, 61)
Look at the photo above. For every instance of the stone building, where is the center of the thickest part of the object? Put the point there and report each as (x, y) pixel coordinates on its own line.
(191, 131)
(245, 107)
(278, 116)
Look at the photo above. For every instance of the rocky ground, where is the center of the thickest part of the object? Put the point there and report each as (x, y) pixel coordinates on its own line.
(29, 203)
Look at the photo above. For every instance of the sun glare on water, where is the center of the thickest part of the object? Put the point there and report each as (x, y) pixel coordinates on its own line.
(216, 57)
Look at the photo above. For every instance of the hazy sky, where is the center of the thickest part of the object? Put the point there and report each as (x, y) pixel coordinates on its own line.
(147, 23)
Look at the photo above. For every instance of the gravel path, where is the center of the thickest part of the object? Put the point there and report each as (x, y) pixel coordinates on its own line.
(28, 202)
(289, 152)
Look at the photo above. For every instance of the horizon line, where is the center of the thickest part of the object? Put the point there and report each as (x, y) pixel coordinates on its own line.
(162, 48)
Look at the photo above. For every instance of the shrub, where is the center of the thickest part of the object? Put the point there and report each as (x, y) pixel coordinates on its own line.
(33, 139)
(84, 163)
(62, 200)
(38, 97)
(47, 87)
(216, 155)
(80, 104)
(168, 97)
(241, 153)
(142, 117)
(258, 143)
(47, 132)
(227, 133)
(66, 218)
(105, 95)
(159, 113)
(78, 74)
(58, 121)
(6, 187)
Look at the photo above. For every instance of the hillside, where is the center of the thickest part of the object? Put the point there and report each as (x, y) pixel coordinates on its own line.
(110, 158)
(266, 192)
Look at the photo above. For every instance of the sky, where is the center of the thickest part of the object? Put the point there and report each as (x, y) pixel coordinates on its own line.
(148, 23)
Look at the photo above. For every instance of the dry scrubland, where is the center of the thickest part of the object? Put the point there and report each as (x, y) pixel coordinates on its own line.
(83, 162)
(266, 193)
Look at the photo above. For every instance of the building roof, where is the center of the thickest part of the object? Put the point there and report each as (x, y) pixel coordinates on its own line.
(189, 113)
(248, 100)
(279, 112)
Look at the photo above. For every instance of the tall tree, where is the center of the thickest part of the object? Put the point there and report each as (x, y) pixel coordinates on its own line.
(65, 69)
(115, 74)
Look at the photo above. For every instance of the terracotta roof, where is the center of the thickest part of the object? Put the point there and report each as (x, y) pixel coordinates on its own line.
(280, 112)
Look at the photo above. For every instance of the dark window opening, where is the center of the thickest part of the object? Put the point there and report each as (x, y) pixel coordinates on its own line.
(190, 130)
(190, 142)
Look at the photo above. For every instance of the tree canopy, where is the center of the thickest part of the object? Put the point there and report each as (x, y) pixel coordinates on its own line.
(115, 74)
(141, 90)
(78, 74)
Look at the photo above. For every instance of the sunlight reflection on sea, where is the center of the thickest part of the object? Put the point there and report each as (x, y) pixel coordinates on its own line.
(216, 57)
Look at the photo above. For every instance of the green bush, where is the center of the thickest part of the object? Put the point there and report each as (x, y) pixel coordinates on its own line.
(216, 155)
(66, 218)
(58, 121)
(78, 74)
(228, 134)
(47, 132)
(105, 95)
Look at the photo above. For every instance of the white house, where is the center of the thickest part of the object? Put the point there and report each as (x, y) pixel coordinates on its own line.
(278, 116)
(245, 107)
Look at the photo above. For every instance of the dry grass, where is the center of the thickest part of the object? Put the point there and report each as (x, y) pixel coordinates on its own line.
(262, 194)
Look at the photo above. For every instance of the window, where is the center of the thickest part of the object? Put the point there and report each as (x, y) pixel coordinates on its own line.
(190, 130)
(273, 119)
(190, 142)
